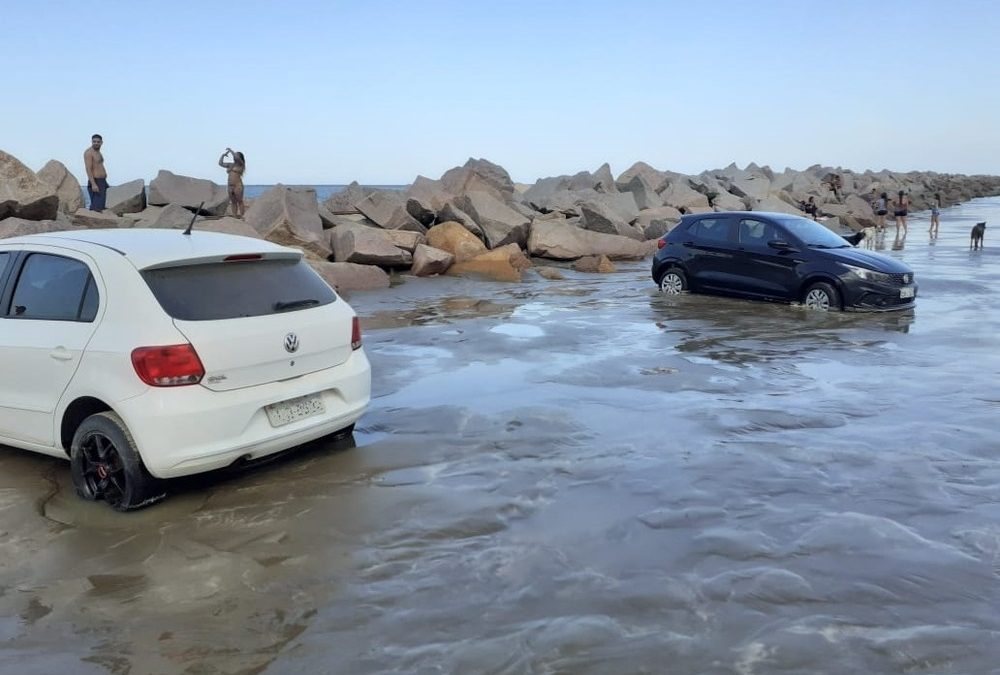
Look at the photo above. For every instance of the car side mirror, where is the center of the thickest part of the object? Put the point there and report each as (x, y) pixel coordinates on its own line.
(779, 244)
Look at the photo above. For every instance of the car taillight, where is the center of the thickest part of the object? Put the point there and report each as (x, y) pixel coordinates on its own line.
(660, 243)
(169, 366)
(355, 334)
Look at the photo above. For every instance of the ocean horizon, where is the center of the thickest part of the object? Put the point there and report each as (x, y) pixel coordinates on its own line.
(323, 192)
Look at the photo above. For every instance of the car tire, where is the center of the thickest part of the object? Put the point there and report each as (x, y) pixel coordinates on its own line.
(821, 297)
(673, 281)
(106, 465)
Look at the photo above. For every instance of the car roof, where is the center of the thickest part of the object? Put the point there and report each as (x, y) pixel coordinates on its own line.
(154, 247)
(766, 214)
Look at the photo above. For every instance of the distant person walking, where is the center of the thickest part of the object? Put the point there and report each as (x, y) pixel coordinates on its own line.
(902, 209)
(97, 175)
(235, 169)
(935, 215)
(881, 208)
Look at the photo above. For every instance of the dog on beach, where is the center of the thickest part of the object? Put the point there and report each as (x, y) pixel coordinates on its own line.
(976, 240)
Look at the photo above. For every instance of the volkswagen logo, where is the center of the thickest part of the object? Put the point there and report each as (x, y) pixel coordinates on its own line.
(906, 278)
(291, 343)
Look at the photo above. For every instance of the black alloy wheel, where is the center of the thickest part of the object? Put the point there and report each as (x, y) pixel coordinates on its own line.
(103, 473)
(106, 465)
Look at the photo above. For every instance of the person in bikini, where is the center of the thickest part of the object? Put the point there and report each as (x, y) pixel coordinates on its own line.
(881, 208)
(902, 208)
(235, 170)
(935, 215)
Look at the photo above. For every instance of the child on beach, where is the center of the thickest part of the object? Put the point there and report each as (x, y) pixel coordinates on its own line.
(935, 215)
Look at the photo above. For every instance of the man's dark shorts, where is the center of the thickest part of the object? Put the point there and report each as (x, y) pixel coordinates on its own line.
(98, 199)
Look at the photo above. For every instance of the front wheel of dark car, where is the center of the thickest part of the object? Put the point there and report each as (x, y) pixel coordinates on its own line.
(673, 281)
(821, 297)
(106, 465)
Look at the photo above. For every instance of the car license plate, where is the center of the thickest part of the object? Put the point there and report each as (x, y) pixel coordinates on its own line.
(906, 292)
(292, 410)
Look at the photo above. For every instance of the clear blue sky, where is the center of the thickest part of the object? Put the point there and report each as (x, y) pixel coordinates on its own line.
(380, 91)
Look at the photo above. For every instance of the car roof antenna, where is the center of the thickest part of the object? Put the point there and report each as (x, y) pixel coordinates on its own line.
(191, 224)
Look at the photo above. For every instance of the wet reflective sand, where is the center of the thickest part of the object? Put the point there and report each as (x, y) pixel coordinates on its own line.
(578, 476)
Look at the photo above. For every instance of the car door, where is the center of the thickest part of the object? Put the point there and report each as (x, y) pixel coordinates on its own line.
(710, 245)
(47, 316)
(762, 269)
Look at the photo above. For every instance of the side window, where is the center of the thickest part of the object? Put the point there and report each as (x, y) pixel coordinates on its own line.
(4, 261)
(710, 230)
(756, 233)
(54, 288)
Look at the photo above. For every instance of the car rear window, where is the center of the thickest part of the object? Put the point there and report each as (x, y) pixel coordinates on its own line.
(230, 290)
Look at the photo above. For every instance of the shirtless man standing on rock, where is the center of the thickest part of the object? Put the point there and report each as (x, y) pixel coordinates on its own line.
(97, 175)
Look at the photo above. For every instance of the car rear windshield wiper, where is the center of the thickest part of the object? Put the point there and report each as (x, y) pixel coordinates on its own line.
(294, 304)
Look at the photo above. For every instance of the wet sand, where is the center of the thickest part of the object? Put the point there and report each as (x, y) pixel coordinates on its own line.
(578, 476)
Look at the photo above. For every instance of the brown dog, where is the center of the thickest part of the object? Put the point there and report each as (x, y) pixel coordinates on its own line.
(978, 230)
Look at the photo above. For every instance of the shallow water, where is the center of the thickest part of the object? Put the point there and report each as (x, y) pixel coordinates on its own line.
(578, 476)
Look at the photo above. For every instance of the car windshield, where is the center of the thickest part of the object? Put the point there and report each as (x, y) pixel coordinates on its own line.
(812, 234)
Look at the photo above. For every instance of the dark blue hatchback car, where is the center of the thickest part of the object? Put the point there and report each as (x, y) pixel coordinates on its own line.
(776, 256)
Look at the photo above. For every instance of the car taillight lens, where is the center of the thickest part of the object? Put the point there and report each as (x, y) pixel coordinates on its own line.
(355, 334)
(660, 243)
(169, 366)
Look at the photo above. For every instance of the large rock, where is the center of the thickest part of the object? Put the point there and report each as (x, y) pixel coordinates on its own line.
(127, 198)
(598, 264)
(20, 227)
(344, 201)
(557, 240)
(326, 217)
(501, 224)
(171, 216)
(175, 217)
(680, 195)
(344, 276)
(754, 184)
(365, 246)
(776, 204)
(169, 188)
(290, 217)
(600, 218)
(501, 264)
(23, 194)
(428, 261)
(387, 209)
(652, 176)
(479, 175)
(654, 223)
(451, 212)
(456, 240)
(424, 198)
(404, 239)
(717, 192)
(225, 225)
(67, 187)
(97, 220)
(644, 194)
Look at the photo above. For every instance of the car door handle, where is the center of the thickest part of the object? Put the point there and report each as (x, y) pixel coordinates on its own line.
(61, 354)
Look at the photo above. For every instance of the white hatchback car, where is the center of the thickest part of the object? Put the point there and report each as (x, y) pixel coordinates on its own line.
(149, 354)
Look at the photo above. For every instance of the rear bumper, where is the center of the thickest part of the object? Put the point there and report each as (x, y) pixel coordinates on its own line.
(186, 430)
